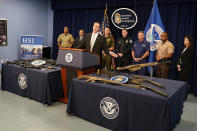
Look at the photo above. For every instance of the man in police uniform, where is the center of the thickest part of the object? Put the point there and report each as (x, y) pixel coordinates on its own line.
(164, 53)
(65, 40)
(140, 52)
(123, 49)
(107, 59)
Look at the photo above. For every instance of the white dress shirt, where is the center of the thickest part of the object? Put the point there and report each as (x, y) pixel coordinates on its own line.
(93, 39)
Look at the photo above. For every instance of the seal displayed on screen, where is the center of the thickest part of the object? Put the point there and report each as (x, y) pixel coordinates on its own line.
(22, 81)
(124, 18)
(68, 57)
(109, 108)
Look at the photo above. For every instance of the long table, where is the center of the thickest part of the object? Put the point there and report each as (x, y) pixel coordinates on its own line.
(44, 86)
(122, 108)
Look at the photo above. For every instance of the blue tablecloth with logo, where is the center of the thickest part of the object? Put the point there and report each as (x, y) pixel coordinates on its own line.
(121, 108)
(44, 86)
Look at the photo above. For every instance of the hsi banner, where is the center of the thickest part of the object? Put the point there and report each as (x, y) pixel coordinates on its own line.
(31, 46)
(153, 30)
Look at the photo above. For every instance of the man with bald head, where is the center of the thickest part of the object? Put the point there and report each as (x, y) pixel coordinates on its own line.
(95, 42)
(140, 52)
(165, 50)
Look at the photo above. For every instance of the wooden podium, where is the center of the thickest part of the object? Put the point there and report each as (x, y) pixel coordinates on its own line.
(75, 62)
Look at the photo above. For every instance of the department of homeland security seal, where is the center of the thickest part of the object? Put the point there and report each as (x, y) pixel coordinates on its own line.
(22, 81)
(120, 79)
(153, 36)
(109, 108)
(38, 62)
(68, 57)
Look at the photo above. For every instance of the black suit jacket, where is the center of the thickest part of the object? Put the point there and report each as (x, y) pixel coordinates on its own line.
(186, 58)
(77, 42)
(99, 45)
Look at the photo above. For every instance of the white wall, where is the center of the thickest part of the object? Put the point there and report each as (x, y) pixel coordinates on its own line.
(25, 17)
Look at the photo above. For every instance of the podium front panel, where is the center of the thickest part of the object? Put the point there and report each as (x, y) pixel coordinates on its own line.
(77, 59)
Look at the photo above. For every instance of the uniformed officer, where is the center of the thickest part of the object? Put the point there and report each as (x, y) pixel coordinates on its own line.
(140, 52)
(123, 49)
(107, 59)
(164, 53)
(65, 40)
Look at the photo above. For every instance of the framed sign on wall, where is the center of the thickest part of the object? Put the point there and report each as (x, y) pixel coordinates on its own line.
(3, 32)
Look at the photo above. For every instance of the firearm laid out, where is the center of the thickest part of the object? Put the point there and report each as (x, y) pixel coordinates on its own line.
(49, 63)
(149, 81)
(140, 86)
(140, 66)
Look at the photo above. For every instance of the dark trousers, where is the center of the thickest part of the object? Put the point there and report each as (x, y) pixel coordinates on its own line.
(185, 75)
(142, 71)
(163, 71)
(125, 61)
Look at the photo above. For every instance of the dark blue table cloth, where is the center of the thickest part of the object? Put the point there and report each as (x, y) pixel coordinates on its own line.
(138, 109)
(44, 86)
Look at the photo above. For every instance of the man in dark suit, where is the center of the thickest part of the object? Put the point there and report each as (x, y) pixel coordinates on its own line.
(95, 42)
(79, 39)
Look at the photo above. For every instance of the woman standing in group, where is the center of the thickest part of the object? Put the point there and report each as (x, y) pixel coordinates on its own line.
(185, 61)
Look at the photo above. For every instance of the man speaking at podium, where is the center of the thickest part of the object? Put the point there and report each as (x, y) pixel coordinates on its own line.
(95, 42)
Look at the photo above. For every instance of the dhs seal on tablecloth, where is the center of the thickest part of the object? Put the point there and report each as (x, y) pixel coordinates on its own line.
(124, 18)
(153, 36)
(109, 108)
(68, 57)
(22, 81)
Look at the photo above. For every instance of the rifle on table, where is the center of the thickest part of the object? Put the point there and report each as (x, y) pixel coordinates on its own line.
(141, 86)
(140, 66)
(136, 79)
(27, 64)
(149, 81)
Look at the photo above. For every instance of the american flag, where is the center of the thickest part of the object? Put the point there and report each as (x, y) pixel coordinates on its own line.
(105, 21)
